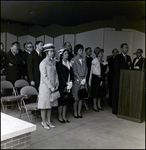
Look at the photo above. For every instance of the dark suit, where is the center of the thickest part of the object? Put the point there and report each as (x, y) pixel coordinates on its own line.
(88, 62)
(140, 63)
(110, 77)
(3, 61)
(63, 74)
(14, 67)
(118, 65)
(33, 67)
(25, 66)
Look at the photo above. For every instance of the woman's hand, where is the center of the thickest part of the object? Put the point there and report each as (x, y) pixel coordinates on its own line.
(83, 82)
(52, 89)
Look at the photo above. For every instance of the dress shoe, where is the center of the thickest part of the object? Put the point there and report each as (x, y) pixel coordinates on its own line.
(46, 127)
(80, 116)
(75, 116)
(96, 110)
(60, 120)
(50, 124)
(100, 108)
(66, 121)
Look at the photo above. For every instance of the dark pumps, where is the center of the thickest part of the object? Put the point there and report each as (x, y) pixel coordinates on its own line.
(96, 110)
(63, 121)
(100, 108)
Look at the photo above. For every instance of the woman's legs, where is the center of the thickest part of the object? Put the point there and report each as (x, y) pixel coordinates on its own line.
(49, 115)
(79, 107)
(99, 103)
(95, 103)
(43, 116)
(75, 107)
(60, 109)
(64, 113)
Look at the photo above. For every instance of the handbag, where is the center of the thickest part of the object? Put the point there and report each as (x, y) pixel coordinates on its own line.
(82, 93)
(68, 98)
(55, 95)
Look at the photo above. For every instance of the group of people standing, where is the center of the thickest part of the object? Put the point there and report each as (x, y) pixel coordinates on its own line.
(70, 73)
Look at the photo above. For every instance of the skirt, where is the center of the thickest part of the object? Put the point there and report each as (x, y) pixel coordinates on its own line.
(95, 86)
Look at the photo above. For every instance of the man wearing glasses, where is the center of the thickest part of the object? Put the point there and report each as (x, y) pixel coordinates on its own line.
(139, 61)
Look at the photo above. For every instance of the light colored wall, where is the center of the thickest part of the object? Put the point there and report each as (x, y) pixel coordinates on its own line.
(48, 39)
(10, 38)
(70, 38)
(41, 38)
(22, 40)
(91, 39)
(3, 40)
(58, 43)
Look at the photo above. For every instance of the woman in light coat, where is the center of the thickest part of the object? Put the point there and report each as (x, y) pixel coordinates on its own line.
(80, 71)
(48, 84)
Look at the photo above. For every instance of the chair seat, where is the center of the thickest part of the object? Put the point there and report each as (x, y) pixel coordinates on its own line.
(11, 98)
(32, 106)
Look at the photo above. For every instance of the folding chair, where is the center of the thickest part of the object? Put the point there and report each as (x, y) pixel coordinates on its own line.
(19, 84)
(3, 77)
(8, 95)
(27, 92)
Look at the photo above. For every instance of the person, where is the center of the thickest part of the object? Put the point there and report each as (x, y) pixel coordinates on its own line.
(89, 59)
(20, 51)
(48, 84)
(110, 76)
(68, 46)
(65, 74)
(25, 46)
(14, 64)
(139, 61)
(122, 61)
(25, 55)
(3, 59)
(97, 77)
(34, 60)
(80, 71)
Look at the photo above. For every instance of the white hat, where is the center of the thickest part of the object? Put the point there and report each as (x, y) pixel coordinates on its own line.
(48, 47)
(61, 50)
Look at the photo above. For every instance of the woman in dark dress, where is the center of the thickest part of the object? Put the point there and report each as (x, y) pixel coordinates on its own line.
(97, 77)
(65, 74)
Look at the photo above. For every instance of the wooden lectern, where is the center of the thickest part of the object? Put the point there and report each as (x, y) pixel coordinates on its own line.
(131, 104)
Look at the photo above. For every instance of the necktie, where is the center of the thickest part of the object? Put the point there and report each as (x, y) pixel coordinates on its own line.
(125, 58)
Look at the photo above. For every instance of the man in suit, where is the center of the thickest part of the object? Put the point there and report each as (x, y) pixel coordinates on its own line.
(139, 61)
(34, 60)
(122, 61)
(14, 64)
(110, 76)
(26, 53)
(68, 46)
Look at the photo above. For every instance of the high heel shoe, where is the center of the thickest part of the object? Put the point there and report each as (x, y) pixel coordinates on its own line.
(80, 116)
(66, 121)
(60, 120)
(75, 116)
(46, 127)
(95, 109)
(50, 124)
(100, 108)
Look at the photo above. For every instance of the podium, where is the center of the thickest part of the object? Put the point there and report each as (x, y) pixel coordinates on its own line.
(131, 105)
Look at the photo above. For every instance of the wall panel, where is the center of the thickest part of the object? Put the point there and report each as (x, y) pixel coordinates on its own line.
(22, 40)
(3, 40)
(41, 38)
(91, 39)
(114, 39)
(70, 38)
(32, 39)
(48, 39)
(10, 39)
(138, 41)
(58, 43)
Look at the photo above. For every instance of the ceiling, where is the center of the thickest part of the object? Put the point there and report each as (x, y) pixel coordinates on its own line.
(69, 13)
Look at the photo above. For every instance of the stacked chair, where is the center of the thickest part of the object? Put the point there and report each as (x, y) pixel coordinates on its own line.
(8, 95)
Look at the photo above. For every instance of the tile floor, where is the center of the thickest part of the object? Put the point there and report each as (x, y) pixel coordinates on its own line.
(96, 130)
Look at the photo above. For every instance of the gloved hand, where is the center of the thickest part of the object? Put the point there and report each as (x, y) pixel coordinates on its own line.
(52, 89)
(83, 82)
(69, 85)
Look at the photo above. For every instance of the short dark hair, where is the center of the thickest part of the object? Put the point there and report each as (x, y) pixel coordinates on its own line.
(140, 50)
(122, 45)
(38, 42)
(63, 53)
(66, 43)
(24, 44)
(87, 48)
(77, 47)
(14, 43)
(114, 50)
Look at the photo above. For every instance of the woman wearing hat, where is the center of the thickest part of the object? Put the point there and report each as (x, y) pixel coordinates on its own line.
(65, 75)
(48, 84)
(97, 77)
(80, 71)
